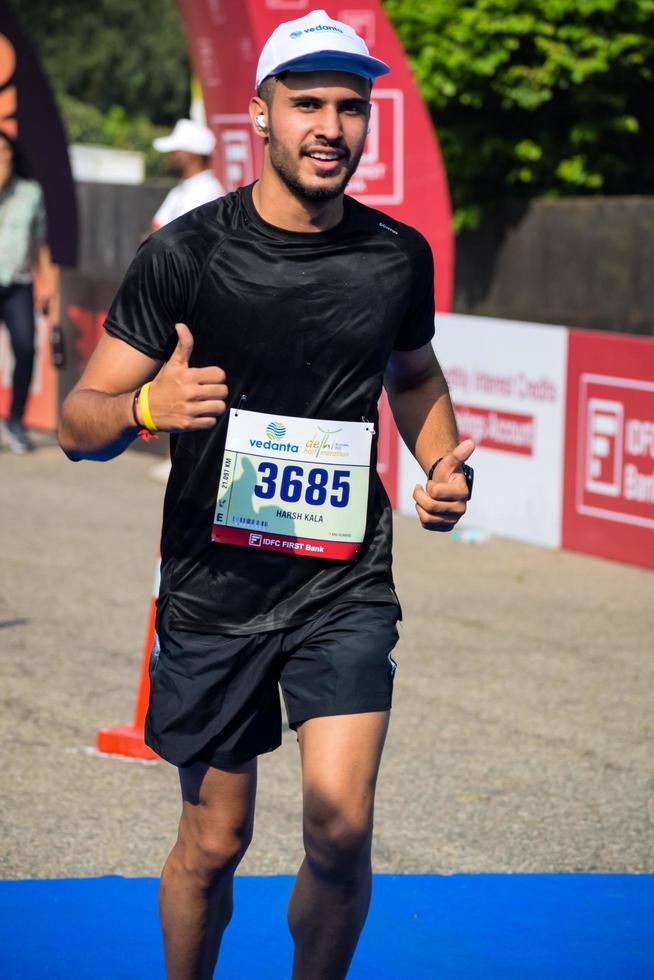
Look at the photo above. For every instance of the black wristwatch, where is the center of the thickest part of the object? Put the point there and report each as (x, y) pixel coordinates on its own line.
(468, 474)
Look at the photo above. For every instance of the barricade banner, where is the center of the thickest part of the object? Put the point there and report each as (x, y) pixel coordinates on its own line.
(507, 381)
(609, 453)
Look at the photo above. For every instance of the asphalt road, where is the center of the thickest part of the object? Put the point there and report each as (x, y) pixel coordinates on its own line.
(521, 737)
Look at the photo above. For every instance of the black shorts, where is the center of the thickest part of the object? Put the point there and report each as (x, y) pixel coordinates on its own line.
(215, 698)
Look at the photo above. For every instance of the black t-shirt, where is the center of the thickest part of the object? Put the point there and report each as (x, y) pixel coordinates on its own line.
(303, 324)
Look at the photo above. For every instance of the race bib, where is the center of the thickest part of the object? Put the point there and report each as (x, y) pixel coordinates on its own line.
(299, 486)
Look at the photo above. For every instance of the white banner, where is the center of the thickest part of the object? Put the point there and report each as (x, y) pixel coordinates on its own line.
(507, 381)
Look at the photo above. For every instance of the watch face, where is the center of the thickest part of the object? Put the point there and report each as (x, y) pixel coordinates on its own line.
(469, 475)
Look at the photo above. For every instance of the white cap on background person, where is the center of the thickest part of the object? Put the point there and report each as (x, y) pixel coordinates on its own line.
(317, 43)
(187, 135)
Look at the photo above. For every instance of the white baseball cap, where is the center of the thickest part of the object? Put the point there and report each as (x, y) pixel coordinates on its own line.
(317, 43)
(187, 135)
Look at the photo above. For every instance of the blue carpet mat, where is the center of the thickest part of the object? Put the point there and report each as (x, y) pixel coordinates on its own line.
(458, 927)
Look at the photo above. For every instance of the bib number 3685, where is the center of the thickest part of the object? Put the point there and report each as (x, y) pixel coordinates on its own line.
(293, 484)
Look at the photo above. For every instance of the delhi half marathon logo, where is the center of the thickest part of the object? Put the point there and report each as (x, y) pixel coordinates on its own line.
(323, 444)
(275, 430)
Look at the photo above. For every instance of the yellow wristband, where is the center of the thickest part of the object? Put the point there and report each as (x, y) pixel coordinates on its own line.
(144, 408)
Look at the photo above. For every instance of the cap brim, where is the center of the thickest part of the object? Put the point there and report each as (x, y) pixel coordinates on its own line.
(354, 64)
(165, 144)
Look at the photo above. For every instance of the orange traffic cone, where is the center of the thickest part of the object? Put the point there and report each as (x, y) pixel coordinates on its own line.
(128, 739)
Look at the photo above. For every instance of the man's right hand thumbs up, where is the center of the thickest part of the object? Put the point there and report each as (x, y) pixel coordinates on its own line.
(182, 353)
(184, 398)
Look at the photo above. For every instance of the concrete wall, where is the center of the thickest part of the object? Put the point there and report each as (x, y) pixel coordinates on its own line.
(582, 262)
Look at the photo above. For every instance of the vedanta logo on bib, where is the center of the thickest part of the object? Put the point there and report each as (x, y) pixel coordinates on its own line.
(281, 447)
(275, 430)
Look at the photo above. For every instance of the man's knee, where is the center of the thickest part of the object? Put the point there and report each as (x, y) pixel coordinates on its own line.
(206, 851)
(337, 837)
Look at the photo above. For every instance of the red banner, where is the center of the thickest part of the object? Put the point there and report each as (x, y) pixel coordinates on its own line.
(608, 506)
(506, 432)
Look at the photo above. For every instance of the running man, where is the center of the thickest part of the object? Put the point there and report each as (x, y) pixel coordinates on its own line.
(259, 330)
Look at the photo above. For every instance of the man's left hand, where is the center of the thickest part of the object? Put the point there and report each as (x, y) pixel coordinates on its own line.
(443, 500)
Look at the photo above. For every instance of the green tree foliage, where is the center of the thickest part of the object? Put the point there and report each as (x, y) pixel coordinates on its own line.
(119, 68)
(535, 97)
(113, 52)
(86, 124)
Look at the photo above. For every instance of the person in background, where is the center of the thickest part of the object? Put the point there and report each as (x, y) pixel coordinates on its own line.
(23, 251)
(190, 146)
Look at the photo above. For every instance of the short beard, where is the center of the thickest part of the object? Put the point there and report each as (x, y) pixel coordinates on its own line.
(288, 173)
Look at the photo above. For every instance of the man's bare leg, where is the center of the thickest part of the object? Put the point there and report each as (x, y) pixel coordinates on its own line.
(195, 894)
(330, 898)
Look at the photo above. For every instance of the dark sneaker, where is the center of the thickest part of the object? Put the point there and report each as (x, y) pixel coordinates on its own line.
(15, 435)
